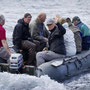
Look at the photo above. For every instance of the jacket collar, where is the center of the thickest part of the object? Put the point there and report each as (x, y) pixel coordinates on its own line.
(38, 22)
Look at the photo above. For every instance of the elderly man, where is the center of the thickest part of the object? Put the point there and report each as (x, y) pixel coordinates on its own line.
(56, 47)
(4, 49)
(22, 38)
(39, 31)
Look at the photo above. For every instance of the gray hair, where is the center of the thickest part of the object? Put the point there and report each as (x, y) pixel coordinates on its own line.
(2, 18)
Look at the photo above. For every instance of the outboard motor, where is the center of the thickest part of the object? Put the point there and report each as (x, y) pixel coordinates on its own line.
(16, 62)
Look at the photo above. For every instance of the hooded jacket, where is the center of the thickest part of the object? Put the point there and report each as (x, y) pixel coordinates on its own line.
(78, 40)
(21, 32)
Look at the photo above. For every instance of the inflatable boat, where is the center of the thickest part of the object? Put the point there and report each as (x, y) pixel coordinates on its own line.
(58, 69)
(65, 68)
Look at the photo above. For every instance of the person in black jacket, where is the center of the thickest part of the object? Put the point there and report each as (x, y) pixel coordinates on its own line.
(22, 38)
(56, 47)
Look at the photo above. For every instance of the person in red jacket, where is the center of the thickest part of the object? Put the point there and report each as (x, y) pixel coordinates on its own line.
(4, 49)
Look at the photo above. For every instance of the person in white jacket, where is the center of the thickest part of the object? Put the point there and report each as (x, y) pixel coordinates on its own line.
(69, 40)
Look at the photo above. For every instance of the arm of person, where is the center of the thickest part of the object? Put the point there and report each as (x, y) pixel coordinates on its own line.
(84, 30)
(46, 39)
(17, 35)
(36, 34)
(61, 28)
(45, 49)
(5, 45)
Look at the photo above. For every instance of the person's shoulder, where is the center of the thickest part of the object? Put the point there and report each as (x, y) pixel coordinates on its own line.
(34, 21)
(84, 26)
(1, 28)
(18, 25)
(33, 24)
(20, 22)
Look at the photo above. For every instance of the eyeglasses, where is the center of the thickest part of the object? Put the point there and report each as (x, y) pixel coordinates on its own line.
(49, 24)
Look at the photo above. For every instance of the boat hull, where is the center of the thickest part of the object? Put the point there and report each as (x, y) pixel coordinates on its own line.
(62, 69)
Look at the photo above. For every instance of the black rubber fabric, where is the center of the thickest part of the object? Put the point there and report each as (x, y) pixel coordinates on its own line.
(3, 60)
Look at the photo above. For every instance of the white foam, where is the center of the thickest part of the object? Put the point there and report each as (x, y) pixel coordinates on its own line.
(25, 82)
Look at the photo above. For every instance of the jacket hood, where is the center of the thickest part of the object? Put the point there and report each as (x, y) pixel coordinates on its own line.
(20, 21)
(65, 25)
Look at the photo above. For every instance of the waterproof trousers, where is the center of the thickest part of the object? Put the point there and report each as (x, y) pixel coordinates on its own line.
(31, 48)
(44, 56)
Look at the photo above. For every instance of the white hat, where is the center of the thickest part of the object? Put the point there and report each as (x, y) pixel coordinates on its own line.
(50, 21)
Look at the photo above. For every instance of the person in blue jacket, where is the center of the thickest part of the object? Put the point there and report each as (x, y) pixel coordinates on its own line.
(84, 31)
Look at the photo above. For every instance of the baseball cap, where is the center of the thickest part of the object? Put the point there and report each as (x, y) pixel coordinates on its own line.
(50, 21)
(76, 18)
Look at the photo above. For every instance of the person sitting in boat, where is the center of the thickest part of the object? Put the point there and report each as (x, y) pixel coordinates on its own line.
(4, 49)
(22, 39)
(68, 39)
(39, 31)
(84, 31)
(76, 31)
(56, 47)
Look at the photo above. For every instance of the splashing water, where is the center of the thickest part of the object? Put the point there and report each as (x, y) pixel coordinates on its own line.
(25, 82)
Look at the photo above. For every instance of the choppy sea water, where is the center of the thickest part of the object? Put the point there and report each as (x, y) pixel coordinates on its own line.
(26, 82)
(14, 10)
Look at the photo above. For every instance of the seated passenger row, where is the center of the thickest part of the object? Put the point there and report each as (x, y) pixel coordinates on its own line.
(61, 39)
(72, 41)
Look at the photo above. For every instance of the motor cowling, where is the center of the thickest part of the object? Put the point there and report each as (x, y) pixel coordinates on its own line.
(16, 61)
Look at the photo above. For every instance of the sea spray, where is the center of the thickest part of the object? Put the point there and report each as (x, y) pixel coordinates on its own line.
(26, 82)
